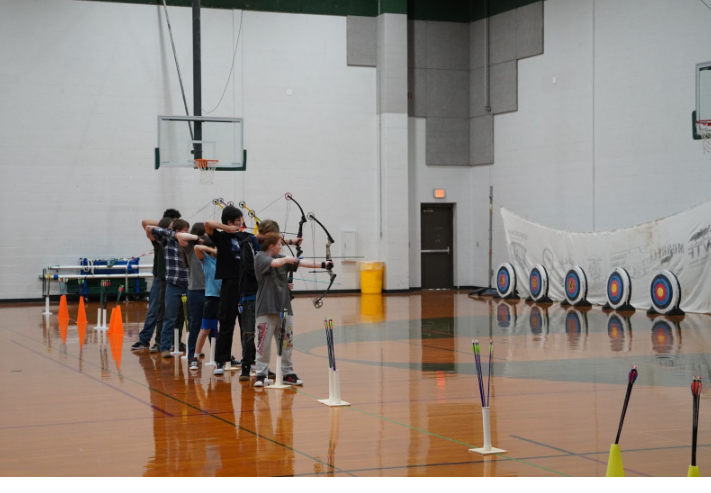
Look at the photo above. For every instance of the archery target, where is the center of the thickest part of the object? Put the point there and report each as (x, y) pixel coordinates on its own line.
(538, 282)
(662, 337)
(666, 292)
(618, 288)
(576, 285)
(505, 280)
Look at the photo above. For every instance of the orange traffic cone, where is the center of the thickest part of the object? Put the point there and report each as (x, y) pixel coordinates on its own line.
(116, 324)
(63, 328)
(63, 311)
(81, 313)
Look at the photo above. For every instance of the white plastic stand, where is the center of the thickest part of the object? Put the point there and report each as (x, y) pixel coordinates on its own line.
(101, 322)
(279, 380)
(213, 348)
(176, 342)
(334, 390)
(487, 449)
(46, 306)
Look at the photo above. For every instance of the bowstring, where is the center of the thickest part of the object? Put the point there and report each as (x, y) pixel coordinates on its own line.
(288, 209)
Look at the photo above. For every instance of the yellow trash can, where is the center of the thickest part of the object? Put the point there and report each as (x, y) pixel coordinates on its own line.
(371, 277)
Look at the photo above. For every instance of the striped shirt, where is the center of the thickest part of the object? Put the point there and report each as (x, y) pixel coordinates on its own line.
(175, 272)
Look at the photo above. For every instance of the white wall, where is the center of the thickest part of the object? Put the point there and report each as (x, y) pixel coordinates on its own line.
(81, 84)
(607, 145)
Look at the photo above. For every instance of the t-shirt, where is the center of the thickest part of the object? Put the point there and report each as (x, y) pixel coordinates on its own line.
(196, 277)
(158, 260)
(273, 294)
(212, 285)
(228, 253)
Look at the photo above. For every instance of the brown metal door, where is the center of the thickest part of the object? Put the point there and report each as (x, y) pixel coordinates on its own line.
(436, 246)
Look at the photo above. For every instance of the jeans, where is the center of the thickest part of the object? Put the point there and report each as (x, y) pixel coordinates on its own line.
(173, 308)
(196, 303)
(156, 311)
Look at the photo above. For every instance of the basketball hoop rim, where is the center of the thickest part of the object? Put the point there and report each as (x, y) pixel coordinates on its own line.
(705, 123)
(205, 163)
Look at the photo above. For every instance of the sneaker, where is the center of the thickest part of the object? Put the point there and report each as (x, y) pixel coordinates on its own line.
(139, 346)
(166, 354)
(292, 380)
(194, 365)
(271, 374)
(235, 363)
(244, 376)
(259, 382)
(182, 347)
(219, 369)
(155, 348)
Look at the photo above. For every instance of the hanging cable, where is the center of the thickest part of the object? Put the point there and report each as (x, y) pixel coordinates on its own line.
(177, 65)
(234, 56)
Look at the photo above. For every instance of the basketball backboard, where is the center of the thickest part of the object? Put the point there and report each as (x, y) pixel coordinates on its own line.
(183, 139)
(703, 96)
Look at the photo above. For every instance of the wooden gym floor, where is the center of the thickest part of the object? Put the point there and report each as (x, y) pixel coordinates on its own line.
(90, 408)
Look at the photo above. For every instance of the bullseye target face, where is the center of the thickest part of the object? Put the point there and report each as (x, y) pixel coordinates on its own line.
(576, 286)
(618, 288)
(538, 282)
(665, 291)
(662, 337)
(505, 280)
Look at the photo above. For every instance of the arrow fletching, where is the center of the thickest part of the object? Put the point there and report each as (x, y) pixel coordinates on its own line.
(696, 387)
(633, 375)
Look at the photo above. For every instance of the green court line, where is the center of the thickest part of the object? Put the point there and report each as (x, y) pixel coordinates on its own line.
(352, 408)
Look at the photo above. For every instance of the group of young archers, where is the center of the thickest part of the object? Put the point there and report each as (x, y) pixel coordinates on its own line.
(228, 275)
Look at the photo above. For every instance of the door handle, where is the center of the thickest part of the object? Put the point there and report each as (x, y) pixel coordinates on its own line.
(435, 251)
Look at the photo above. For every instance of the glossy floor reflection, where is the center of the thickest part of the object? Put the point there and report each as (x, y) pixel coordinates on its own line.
(79, 403)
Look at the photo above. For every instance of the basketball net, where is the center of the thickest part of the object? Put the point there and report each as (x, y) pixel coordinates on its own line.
(207, 168)
(704, 129)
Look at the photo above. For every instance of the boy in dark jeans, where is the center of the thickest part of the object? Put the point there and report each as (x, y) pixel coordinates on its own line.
(227, 239)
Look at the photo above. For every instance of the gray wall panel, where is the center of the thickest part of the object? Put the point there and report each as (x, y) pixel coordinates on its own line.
(448, 93)
(447, 141)
(477, 44)
(502, 37)
(362, 41)
(529, 30)
(448, 45)
(417, 44)
(481, 140)
(417, 83)
(504, 87)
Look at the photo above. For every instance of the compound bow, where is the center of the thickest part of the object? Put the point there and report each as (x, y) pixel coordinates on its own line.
(318, 303)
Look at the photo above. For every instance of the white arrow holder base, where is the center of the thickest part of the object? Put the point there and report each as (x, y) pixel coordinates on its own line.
(46, 306)
(334, 390)
(213, 348)
(176, 342)
(487, 449)
(101, 320)
(279, 380)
